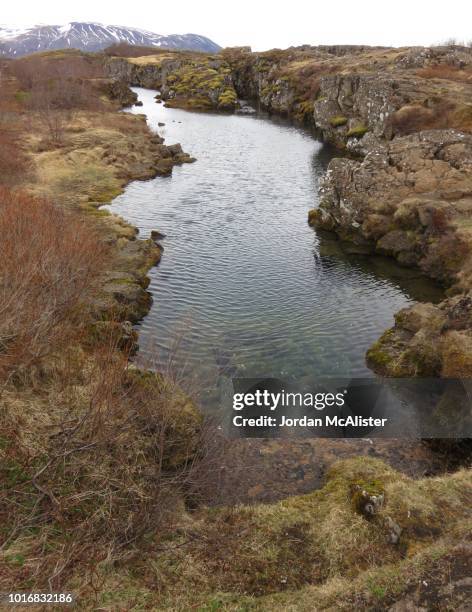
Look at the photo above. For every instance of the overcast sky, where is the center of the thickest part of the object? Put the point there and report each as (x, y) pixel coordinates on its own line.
(266, 24)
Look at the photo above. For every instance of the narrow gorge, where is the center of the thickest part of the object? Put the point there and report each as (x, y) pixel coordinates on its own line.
(402, 188)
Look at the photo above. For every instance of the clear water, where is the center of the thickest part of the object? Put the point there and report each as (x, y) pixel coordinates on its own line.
(245, 287)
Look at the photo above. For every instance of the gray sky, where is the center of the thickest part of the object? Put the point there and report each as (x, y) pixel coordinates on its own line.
(266, 24)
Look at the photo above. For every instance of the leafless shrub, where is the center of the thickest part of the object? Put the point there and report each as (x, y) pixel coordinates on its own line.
(57, 86)
(49, 262)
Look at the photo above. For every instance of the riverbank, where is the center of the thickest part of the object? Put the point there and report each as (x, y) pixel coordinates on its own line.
(120, 458)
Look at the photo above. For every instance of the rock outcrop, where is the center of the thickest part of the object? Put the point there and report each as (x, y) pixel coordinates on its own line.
(411, 199)
(196, 82)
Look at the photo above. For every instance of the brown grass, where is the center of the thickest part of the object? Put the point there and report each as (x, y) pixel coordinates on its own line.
(446, 71)
(110, 459)
(414, 118)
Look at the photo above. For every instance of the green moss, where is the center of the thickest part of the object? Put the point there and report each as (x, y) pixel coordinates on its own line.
(22, 96)
(306, 108)
(227, 99)
(357, 132)
(377, 355)
(338, 120)
(313, 216)
(363, 490)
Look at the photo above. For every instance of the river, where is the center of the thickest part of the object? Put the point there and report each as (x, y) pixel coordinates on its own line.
(245, 287)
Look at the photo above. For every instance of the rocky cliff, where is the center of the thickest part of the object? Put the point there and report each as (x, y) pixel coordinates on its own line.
(191, 81)
(411, 199)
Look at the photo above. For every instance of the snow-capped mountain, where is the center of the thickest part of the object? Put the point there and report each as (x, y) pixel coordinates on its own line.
(15, 42)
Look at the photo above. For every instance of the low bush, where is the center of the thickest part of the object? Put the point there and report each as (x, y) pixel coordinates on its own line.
(122, 49)
(50, 260)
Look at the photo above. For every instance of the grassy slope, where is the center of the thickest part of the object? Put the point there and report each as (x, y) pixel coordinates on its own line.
(312, 552)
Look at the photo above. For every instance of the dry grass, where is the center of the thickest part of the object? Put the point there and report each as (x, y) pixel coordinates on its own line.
(448, 72)
(310, 551)
(109, 454)
(441, 114)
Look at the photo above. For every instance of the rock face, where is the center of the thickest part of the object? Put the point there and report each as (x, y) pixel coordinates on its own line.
(346, 91)
(119, 90)
(351, 105)
(184, 80)
(411, 199)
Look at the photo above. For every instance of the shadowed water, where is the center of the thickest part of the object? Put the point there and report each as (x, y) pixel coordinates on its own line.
(244, 283)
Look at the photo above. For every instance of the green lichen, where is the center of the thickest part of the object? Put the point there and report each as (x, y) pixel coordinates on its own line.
(378, 356)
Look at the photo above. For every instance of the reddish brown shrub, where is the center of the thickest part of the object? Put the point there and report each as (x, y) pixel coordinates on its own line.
(14, 163)
(414, 118)
(50, 259)
(309, 77)
(66, 80)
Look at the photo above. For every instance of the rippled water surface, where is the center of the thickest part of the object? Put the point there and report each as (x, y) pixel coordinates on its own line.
(245, 287)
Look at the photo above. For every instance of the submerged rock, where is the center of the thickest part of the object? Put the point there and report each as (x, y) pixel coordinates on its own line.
(156, 235)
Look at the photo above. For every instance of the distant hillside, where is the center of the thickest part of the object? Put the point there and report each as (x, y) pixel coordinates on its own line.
(15, 42)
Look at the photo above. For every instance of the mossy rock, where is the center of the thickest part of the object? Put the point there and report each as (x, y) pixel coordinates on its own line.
(383, 356)
(367, 496)
(122, 335)
(357, 131)
(164, 167)
(321, 220)
(338, 121)
(227, 99)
